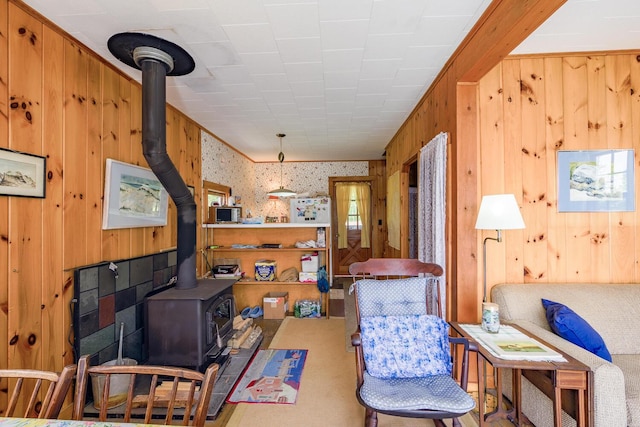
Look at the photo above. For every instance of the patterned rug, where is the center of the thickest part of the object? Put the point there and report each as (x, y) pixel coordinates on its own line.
(273, 376)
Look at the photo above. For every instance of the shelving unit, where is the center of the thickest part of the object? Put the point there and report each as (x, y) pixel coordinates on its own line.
(248, 292)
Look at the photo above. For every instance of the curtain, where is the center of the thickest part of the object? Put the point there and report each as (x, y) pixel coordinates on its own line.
(432, 176)
(343, 198)
(361, 193)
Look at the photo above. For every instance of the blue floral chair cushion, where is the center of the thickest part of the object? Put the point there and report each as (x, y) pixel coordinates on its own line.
(407, 346)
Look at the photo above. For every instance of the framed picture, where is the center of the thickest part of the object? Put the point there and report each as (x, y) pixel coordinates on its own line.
(22, 174)
(133, 197)
(596, 181)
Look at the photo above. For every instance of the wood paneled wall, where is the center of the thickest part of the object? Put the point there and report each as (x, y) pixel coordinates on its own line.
(531, 108)
(59, 100)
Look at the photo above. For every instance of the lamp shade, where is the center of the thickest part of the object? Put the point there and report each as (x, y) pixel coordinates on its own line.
(281, 192)
(499, 212)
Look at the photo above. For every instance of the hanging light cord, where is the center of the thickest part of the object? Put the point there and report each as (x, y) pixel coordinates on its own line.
(281, 157)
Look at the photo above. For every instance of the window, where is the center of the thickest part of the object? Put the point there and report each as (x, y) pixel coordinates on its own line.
(216, 195)
(354, 221)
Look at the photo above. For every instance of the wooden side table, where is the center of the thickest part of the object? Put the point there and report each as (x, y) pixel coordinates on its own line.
(551, 377)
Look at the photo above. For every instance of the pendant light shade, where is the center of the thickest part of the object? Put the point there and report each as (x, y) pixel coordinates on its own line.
(281, 192)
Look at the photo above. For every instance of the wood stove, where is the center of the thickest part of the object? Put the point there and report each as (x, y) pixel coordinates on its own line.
(190, 327)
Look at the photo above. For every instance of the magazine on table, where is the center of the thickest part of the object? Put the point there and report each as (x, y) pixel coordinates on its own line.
(512, 344)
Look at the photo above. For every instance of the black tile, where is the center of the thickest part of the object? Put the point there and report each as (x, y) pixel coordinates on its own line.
(125, 298)
(87, 302)
(142, 291)
(128, 317)
(107, 280)
(88, 279)
(89, 323)
(158, 278)
(122, 282)
(160, 261)
(172, 258)
(140, 270)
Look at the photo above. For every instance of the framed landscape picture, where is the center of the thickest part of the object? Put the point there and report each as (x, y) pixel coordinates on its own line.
(22, 174)
(596, 181)
(133, 197)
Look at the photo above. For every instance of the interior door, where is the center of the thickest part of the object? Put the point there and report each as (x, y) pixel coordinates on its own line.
(351, 249)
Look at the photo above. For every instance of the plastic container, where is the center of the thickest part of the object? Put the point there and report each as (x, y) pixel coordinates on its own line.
(119, 385)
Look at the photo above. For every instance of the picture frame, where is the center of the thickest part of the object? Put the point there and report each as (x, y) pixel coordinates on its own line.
(133, 197)
(596, 181)
(22, 174)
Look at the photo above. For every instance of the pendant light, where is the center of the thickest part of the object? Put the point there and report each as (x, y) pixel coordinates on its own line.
(281, 192)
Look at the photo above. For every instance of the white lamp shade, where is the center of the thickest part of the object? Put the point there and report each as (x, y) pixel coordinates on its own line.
(281, 192)
(499, 212)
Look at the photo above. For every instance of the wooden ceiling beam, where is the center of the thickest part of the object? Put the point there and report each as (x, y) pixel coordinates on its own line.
(502, 27)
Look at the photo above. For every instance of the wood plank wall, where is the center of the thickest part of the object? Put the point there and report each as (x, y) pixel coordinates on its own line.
(533, 107)
(527, 109)
(59, 100)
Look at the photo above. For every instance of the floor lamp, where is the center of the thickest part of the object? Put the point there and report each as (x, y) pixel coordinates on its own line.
(497, 212)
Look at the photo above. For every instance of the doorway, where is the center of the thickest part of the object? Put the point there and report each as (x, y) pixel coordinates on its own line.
(351, 223)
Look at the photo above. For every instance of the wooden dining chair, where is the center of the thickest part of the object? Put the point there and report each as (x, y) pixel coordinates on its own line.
(153, 392)
(405, 357)
(36, 393)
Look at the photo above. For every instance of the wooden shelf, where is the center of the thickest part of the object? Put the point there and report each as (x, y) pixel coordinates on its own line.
(249, 293)
(268, 225)
(275, 282)
(289, 249)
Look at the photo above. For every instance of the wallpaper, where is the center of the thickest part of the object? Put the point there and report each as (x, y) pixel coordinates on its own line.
(252, 181)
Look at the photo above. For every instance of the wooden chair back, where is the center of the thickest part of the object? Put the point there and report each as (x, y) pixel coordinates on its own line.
(37, 394)
(386, 268)
(153, 392)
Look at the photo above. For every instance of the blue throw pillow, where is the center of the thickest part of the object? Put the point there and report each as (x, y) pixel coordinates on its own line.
(570, 326)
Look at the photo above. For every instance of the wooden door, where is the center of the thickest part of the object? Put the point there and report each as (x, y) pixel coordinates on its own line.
(353, 252)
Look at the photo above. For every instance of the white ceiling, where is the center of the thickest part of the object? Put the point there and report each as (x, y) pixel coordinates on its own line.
(338, 77)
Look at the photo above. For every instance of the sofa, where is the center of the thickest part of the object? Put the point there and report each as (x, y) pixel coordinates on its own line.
(613, 310)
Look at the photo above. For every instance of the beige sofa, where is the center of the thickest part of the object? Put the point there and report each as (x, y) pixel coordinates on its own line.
(613, 310)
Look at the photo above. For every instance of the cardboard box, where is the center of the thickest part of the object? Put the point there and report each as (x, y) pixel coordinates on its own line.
(265, 270)
(309, 262)
(275, 305)
(307, 277)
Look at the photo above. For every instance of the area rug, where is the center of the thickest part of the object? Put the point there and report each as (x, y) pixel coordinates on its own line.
(273, 376)
(327, 390)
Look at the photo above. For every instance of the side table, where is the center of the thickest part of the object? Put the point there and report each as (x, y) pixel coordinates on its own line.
(557, 375)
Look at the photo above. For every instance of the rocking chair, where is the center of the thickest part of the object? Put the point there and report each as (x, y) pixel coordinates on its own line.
(404, 356)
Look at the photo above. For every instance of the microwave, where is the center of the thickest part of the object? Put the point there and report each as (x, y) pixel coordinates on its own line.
(225, 214)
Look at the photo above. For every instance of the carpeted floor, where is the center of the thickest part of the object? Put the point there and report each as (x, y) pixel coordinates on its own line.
(326, 396)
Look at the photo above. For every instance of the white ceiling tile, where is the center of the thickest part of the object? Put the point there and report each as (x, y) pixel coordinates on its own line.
(386, 46)
(252, 38)
(239, 12)
(340, 80)
(300, 49)
(215, 54)
(271, 81)
(387, 18)
(338, 10)
(231, 74)
(342, 60)
(380, 69)
(263, 63)
(308, 88)
(278, 97)
(304, 71)
(307, 102)
(344, 34)
(341, 94)
(269, 66)
(294, 20)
